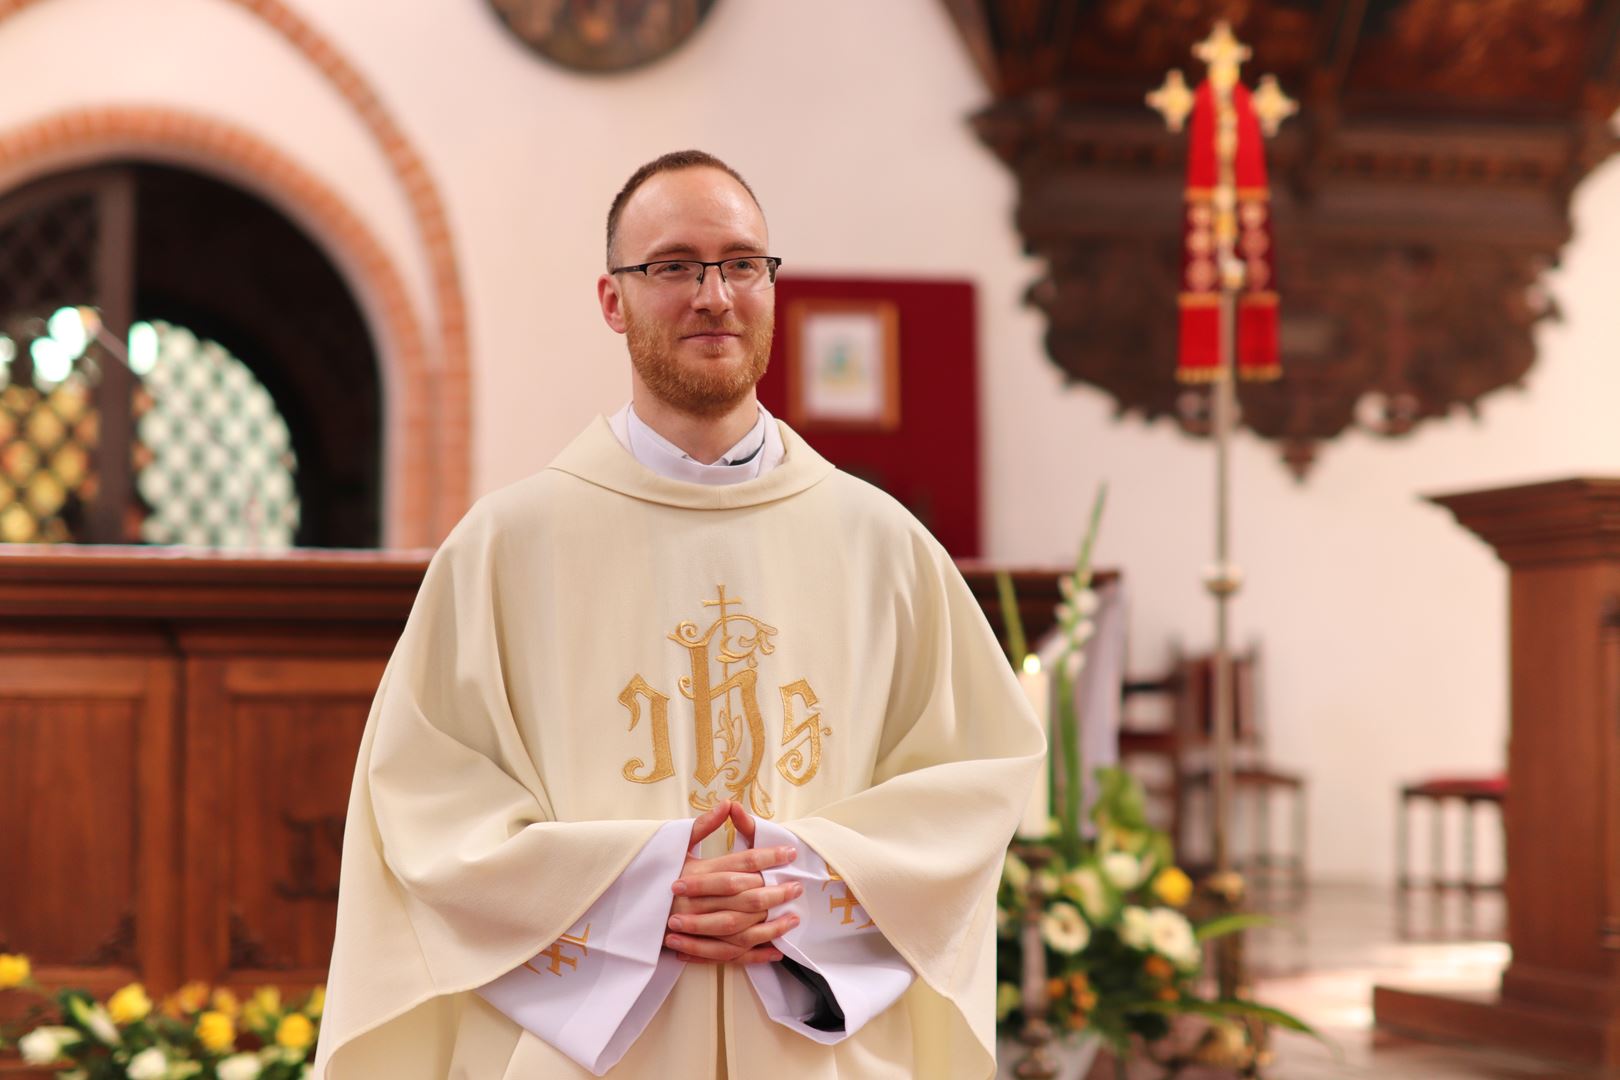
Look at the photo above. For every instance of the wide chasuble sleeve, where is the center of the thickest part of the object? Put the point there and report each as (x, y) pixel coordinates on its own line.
(597, 651)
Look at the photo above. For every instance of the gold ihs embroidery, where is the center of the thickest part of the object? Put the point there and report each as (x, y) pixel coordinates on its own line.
(663, 761)
(558, 958)
(728, 723)
(846, 902)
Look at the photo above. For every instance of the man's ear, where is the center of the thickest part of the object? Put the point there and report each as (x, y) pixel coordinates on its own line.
(612, 301)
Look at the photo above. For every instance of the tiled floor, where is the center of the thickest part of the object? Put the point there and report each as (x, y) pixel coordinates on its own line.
(1323, 961)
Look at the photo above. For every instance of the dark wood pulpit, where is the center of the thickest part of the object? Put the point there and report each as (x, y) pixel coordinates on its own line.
(1560, 994)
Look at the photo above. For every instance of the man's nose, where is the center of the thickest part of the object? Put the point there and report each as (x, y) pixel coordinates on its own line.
(713, 294)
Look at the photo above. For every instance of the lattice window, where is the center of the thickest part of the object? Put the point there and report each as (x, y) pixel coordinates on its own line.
(212, 457)
(221, 469)
(47, 450)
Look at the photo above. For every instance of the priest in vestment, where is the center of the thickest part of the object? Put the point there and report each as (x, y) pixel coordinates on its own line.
(687, 671)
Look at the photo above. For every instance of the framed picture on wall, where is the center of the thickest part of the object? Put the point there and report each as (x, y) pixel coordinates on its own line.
(843, 364)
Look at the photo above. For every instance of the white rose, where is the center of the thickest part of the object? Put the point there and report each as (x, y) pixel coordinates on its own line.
(1093, 895)
(1064, 929)
(1136, 928)
(149, 1064)
(1016, 872)
(239, 1067)
(1173, 938)
(1122, 869)
(44, 1045)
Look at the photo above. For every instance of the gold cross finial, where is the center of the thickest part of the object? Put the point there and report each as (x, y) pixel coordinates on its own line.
(1271, 105)
(1173, 100)
(1222, 52)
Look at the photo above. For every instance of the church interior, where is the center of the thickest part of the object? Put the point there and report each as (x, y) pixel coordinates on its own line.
(287, 286)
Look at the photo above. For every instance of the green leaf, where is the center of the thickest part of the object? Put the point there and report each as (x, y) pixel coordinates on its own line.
(1230, 924)
(1016, 644)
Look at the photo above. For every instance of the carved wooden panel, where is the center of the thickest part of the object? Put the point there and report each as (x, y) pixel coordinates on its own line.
(88, 816)
(270, 749)
(1418, 197)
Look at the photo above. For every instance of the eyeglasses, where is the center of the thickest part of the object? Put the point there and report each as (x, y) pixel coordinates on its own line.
(747, 273)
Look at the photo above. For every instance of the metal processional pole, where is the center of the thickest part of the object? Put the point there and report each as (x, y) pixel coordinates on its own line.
(1224, 54)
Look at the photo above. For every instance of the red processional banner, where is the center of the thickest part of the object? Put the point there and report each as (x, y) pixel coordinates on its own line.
(1257, 355)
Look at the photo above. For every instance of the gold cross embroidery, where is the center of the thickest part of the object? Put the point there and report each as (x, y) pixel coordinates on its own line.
(847, 901)
(554, 953)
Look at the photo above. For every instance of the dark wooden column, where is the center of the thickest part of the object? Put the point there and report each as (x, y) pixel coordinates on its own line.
(1560, 995)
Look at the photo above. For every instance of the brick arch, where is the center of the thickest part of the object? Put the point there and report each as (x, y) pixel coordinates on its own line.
(203, 144)
(448, 417)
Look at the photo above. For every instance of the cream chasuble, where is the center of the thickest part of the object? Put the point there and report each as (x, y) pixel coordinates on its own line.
(598, 651)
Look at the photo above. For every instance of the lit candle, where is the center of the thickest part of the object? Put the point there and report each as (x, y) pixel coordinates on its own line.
(1038, 814)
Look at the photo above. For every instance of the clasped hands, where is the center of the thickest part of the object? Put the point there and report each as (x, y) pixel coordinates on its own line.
(720, 908)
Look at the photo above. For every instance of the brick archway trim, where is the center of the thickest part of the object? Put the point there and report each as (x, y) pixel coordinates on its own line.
(449, 422)
(84, 136)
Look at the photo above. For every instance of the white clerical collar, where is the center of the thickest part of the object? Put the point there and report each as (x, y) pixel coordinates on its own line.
(754, 455)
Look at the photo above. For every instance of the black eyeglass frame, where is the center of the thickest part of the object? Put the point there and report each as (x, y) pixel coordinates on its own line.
(772, 265)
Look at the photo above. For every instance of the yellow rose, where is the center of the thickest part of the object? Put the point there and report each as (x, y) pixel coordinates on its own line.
(216, 1031)
(316, 1003)
(129, 1005)
(1172, 886)
(262, 1008)
(14, 970)
(295, 1032)
(224, 1001)
(189, 999)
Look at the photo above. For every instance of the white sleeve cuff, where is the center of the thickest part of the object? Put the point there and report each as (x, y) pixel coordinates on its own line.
(834, 938)
(593, 991)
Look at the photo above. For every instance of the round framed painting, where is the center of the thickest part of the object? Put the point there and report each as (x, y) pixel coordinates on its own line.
(602, 35)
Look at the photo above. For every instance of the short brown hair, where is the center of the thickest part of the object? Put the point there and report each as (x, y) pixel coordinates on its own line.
(677, 159)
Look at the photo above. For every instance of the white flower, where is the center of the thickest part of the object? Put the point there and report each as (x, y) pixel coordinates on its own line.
(1173, 938)
(96, 1020)
(1122, 869)
(1065, 614)
(1082, 632)
(1015, 872)
(1088, 887)
(1067, 586)
(1064, 929)
(239, 1067)
(1136, 928)
(1048, 881)
(1087, 603)
(149, 1064)
(1072, 663)
(44, 1045)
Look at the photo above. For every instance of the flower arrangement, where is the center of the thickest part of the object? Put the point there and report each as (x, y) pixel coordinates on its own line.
(1122, 956)
(196, 1033)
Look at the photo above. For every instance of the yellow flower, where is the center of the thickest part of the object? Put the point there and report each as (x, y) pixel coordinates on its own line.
(1172, 886)
(14, 970)
(295, 1032)
(129, 1005)
(224, 1001)
(1055, 988)
(189, 999)
(1157, 967)
(216, 1031)
(263, 1008)
(316, 1003)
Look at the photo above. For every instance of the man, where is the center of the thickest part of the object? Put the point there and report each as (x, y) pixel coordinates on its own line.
(688, 611)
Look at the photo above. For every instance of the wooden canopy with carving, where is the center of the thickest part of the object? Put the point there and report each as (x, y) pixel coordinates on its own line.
(1418, 197)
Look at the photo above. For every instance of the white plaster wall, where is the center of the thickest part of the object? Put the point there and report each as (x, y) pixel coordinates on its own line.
(1383, 622)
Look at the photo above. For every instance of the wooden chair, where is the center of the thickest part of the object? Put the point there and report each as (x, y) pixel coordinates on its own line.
(1185, 748)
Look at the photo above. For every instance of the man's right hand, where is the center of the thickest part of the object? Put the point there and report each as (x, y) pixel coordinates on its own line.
(720, 904)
